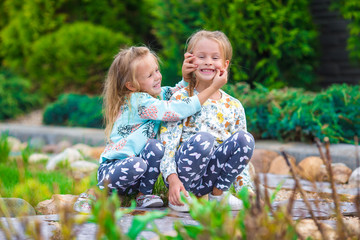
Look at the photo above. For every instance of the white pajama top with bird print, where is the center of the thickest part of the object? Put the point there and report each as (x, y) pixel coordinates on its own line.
(221, 118)
(140, 121)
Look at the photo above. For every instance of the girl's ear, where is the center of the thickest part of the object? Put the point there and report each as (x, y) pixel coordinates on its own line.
(227, 64)
(130, 86)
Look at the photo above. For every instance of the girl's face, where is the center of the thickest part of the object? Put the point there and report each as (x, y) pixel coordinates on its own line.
(148, 75)
(208, 57)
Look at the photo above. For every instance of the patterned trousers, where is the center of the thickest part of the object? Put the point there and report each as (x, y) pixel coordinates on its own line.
(201, 167)
(133, 173)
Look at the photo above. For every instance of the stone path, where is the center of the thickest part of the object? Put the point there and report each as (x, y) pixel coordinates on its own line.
(321, 208)
(287, 182)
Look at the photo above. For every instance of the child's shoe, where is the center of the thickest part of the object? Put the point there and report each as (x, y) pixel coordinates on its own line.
(234, 202)
(149, 201)
(84, 202)
(183, 208)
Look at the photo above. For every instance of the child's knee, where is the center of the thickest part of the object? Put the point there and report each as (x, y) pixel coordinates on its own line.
(203, 142)
(139, 165)
(245, 140)
(156, 147)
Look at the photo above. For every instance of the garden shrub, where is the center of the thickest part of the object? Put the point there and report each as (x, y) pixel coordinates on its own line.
(75, 110)
(16, 97)
(291, 114)
(182, 18)
(275, 43)
(22, 23)
(132, 18)
(287, 114)
(33, 191)
(349, 9)
(76, 57)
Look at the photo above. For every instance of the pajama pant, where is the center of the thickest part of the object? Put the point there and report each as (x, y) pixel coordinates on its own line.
(201, 167)
(129, 175)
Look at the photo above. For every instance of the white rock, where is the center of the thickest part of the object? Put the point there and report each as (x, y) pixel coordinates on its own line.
(83, 166)
(355, 177)
(86, 150)
(70, 155)
(37, 157)
(15, 144)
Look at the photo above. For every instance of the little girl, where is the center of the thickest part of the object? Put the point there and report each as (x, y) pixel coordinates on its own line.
(134, 103)
(206, 152)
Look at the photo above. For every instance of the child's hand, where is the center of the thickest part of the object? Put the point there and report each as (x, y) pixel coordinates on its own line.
(175, 186)
(188, 67)
(220, 78)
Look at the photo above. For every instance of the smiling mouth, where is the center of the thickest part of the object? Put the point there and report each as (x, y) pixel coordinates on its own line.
(207, 70)
(157, 85)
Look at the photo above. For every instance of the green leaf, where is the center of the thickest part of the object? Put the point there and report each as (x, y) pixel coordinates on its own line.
(140, 222)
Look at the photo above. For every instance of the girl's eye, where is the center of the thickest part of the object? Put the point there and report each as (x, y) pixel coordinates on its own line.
(150, 75)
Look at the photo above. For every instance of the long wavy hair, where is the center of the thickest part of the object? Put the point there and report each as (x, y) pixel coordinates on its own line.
(121, 71)
(225, 48)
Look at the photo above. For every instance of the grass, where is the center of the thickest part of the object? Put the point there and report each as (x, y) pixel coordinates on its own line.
(56, 182)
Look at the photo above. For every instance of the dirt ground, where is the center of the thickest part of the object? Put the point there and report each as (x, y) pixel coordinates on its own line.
(33, 118)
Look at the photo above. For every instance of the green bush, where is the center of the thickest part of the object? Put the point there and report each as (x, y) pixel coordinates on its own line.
(350, 10)
(76, 57)
(132, 18)
(182, 18)
(75, 110)
(22, 23)
(274, 42)
(291, 114)
(15, 96)
(287, 114)
(32, 191)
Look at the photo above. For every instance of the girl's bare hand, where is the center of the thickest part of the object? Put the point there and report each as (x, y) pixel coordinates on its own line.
(220, 78)
(175, 187)
(188, 67)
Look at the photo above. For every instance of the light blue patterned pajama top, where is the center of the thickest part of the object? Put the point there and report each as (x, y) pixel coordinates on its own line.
(140, 121)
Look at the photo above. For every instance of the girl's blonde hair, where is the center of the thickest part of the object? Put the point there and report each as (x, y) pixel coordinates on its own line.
(225, 48)
(217, 36)
(121, 71)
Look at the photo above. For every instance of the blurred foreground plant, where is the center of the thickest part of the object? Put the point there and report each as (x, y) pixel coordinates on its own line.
(255, 221)
(106, 213)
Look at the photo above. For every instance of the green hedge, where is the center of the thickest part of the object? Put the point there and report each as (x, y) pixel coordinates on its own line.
(287, 114)
(68, 45)
(76, 57)
(350, 11)
(75, 110)
(291, 114)
(15, 96)
(274, 42)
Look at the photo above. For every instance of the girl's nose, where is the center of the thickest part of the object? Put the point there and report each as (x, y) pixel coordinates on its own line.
(208, 61)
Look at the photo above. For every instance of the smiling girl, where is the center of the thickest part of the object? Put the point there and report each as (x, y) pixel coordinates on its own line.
(206, 152)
